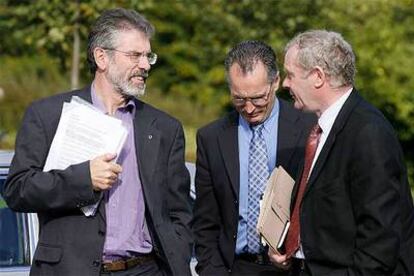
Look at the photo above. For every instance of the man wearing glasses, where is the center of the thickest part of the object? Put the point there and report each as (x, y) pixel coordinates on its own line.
(235, 156)
(142, 222)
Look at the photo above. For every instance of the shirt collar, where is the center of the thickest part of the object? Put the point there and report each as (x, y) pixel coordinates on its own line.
(97, 102)
(269, 120)
(328, 117)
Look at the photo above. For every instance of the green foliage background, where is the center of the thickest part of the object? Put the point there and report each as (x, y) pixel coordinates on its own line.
(192, 40)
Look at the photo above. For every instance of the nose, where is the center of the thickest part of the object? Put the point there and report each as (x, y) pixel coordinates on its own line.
(249, 107)
(144, 63)
(285, 83)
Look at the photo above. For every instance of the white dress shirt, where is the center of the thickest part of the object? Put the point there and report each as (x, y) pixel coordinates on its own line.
(325, 121)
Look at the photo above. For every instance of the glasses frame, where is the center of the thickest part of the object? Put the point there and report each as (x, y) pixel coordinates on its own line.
(135, 56)
(256, 101)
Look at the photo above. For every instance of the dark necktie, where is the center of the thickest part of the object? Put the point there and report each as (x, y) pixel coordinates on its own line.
(293, 237)
(258, 175)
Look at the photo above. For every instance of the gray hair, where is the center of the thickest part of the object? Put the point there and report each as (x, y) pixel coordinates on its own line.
(328, 50)
(247, 53)
(109, 25)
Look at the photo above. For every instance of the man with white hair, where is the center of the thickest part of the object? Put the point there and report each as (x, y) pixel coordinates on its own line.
(352, 210)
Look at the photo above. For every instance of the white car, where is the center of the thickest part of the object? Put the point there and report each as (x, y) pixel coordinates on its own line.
(19, 231)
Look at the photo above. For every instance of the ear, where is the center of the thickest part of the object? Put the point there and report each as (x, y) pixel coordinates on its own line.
(320, 77)
(101, 58)
(276, 83)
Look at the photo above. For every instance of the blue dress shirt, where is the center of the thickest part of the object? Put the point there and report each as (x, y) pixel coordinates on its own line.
(270, 133)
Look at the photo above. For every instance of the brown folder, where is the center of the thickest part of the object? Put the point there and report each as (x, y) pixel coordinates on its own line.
(273, 222)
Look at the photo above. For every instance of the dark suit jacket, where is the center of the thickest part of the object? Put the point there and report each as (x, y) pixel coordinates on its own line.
(357, 215)
(69, 242)
(216, 210)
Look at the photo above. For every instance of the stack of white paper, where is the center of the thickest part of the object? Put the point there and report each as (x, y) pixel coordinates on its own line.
(83, 133)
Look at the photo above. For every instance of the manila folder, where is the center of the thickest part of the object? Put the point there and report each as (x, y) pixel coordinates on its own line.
(273, 222)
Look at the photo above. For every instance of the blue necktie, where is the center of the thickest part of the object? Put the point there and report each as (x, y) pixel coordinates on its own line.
(258, 175)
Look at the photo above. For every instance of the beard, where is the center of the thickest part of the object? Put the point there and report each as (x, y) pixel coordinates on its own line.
(125, 86)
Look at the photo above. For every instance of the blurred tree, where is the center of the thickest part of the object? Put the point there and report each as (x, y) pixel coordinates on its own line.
(56, 27)
(24, 79)
(382, 36)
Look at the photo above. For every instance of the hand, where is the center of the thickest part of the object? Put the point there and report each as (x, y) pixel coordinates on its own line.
(278, 259)
(104, 173)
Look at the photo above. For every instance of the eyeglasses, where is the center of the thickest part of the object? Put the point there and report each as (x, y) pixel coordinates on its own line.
(256, 101)
(135, 56)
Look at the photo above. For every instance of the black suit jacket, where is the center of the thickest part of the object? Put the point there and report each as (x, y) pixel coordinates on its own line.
(69, 242)
(357, 215)
(216, 210)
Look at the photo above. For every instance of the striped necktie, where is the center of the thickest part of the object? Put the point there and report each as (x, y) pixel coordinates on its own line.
(258, 175)
(293, 237)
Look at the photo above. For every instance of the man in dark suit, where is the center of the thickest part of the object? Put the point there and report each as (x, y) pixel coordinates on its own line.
(235, 156)
(142, 223)
(353, 205)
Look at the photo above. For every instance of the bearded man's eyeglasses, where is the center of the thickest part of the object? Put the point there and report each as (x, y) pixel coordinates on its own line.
(136, 56)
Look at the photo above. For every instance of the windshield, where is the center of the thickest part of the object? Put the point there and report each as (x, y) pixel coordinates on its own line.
(11, 235)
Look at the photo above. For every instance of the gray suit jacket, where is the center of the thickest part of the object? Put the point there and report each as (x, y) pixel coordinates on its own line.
(69, 242)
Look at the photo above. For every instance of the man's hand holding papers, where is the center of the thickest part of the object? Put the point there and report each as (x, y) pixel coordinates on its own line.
(104, 172)
(85, 133)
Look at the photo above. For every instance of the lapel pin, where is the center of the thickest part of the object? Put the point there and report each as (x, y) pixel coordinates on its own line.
(150, 136)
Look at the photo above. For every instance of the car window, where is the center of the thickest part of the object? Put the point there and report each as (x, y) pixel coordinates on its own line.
(11, 235)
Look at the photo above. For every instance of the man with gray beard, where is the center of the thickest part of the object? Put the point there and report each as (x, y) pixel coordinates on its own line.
(142, 222)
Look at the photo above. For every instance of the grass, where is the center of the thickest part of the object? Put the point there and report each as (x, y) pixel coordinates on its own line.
(2, 204)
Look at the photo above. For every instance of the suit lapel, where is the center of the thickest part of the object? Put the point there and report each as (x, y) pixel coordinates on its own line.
(85, 94)
(229, 149)
(288, 134)
(147, 144)
(338, 125)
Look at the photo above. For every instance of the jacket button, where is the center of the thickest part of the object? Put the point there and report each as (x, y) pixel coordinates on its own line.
(96, 263)
(236, 202)
(101, 232)
(234, 237)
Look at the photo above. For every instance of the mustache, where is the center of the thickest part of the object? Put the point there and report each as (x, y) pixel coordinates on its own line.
(142, 74)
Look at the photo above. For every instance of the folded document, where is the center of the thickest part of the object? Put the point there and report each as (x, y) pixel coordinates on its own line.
(273, 222)
(83, 133)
